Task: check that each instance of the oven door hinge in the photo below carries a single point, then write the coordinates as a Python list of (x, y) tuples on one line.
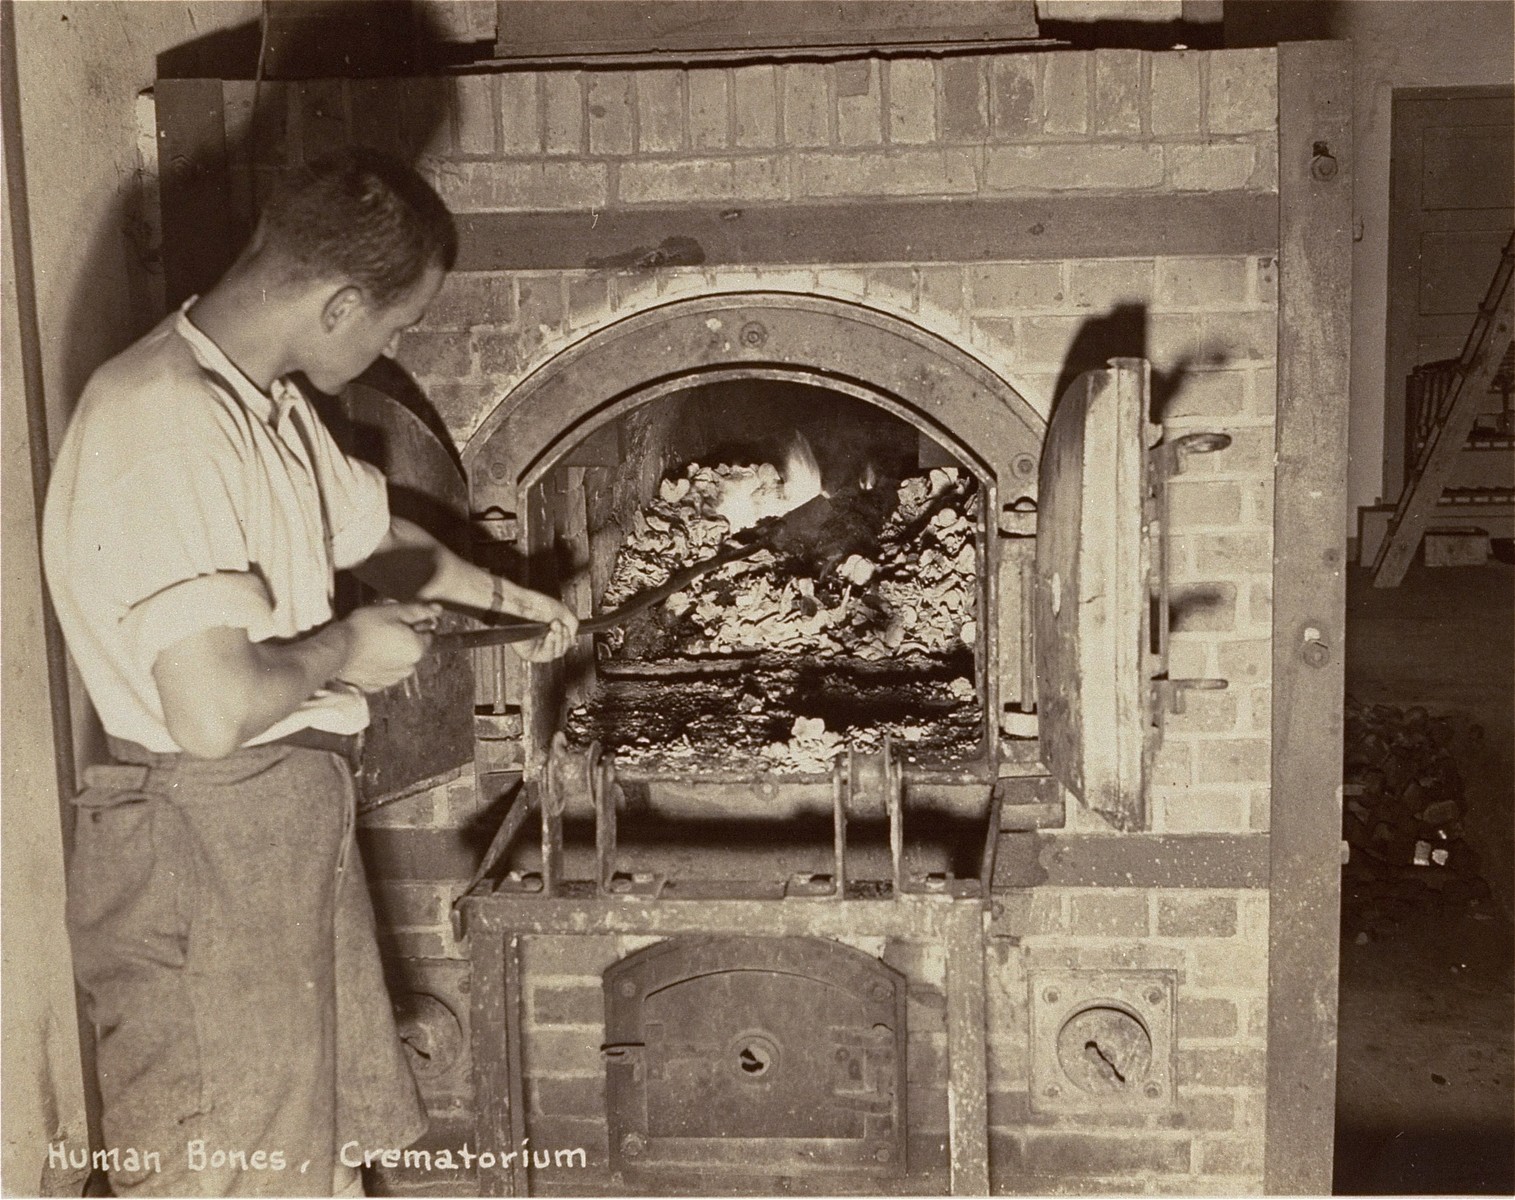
[(493, 526), (1165, 460), (864, 1069)]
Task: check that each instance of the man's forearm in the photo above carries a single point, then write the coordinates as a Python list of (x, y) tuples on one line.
[(219, 689), (291, 672), (453, 580)]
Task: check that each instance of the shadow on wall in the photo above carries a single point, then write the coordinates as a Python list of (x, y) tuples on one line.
[(310, 40), (1122, 333), (315, 39), (1134, 35), (343, 38), (1268, 22), (346, 38)]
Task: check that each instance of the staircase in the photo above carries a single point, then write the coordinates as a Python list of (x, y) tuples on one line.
[(1452, 399)]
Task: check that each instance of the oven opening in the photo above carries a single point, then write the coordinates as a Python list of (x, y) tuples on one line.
[(856, 623)]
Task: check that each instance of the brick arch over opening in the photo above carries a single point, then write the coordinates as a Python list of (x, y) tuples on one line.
[(916, 374)]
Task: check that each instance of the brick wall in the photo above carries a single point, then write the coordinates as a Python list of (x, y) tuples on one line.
[(1210, 330), (563, 1028), (1210, 1142), (1105, 120), (1013, 124), (1053, 124)]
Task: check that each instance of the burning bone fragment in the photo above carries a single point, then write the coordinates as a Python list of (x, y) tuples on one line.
[(899, 577), (857, 570), (746, 495)]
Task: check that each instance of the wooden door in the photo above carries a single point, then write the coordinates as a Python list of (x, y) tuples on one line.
[(1094, 652), (1452, 199)]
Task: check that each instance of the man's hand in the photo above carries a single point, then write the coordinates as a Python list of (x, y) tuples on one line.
[(457, 582), (387, 642), (564, 625)]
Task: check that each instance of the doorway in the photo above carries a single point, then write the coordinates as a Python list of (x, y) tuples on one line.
[(1451, 186)]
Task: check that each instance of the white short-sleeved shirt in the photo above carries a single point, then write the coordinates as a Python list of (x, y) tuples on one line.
[(184, 499)]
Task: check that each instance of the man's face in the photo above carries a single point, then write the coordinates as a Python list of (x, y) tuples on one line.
[(355, 334)]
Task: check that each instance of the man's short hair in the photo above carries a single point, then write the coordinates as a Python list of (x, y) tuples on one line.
[(361, 217)]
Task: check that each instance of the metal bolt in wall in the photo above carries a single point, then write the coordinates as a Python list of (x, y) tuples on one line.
[(1323, 164), (1314, 649)]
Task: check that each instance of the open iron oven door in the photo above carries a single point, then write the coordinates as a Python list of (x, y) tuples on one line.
[(1094, 588), (421, 731)]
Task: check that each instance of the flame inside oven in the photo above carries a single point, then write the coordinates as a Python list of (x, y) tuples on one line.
[(746, 495)]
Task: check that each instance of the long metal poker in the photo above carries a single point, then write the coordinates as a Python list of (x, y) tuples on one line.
[(796, 525)]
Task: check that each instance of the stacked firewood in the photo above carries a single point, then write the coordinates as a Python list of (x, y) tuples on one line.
[(1403, 818), (914, 593)]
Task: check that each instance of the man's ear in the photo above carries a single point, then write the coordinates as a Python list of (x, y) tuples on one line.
[(339, 306)]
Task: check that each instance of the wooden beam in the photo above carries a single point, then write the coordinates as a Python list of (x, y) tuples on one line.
[(874, 231), (748, 28), (967, 1052), (515, 1063), (198, 239), (494, 1125), (71, 1098), (1309, 600)]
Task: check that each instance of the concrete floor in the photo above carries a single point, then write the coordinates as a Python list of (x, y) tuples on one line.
[(1425, 1099)]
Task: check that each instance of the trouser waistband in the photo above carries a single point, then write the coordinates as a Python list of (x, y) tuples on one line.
[(347, 746)]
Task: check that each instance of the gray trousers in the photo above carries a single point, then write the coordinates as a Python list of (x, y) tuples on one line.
[(223, 936)]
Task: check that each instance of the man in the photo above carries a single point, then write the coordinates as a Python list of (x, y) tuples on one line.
[(218, 912)]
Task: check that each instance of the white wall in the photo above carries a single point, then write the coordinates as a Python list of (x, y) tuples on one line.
[(1399, 45), (39, 1062), (81, 66)]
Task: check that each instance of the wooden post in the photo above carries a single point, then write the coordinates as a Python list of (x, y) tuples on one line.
[(194, 177), (967, 1051), (516, 1083), (1309, 600), (493, 1112)]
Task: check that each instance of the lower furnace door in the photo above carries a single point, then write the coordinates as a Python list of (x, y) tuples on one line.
[(765, 1056)]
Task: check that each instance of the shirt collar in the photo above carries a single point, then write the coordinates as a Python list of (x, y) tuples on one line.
[(269, 406)]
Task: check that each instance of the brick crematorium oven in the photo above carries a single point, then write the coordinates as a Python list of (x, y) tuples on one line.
[(972, 825)]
